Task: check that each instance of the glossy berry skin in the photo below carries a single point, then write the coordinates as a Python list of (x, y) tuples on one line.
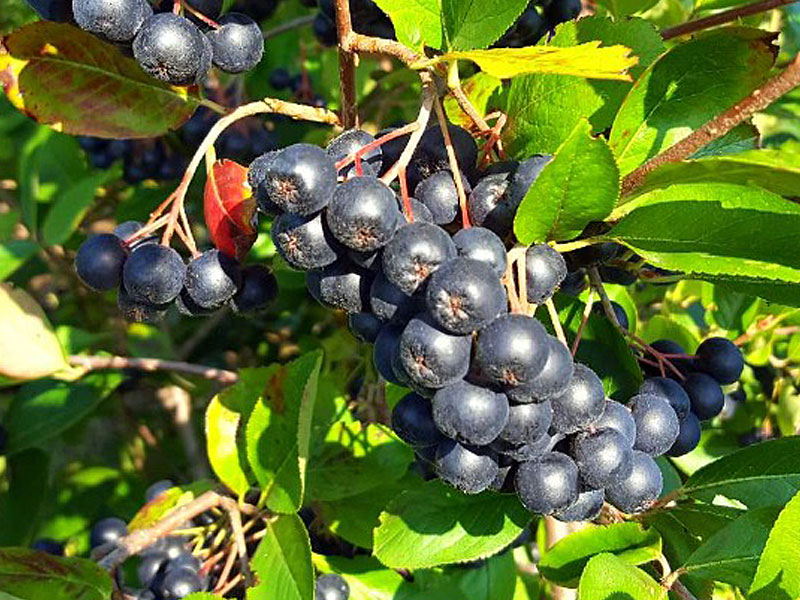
[(488, 206), (389, 303), (171, 48), (438, 193), (720, 358), (385, 349), (300, 179), (331, 587), (363, 214), (548, 483), (616, 416), (525, 174), (107, 530), (151, 567), (552, 380), (525, 452), (158, 488), (656, 423), (138, 311), (479, 243), (419, 212), (432, 357), (512, 350), (341, 285), (115, 20), (469, 414), (581, 403), (257, 290), (640, 489), (212, 278), (465, 295), (467, 468), (527, 423), (705, 395), (586, 508), (545, 269), (603, 457), (365, 326), (670, 347), (238, 44), (154, 274), (669, 389), (349, 142), (415, 252), (179, 583), (256, 178), (304, 242), (100, 260), (688, 436)]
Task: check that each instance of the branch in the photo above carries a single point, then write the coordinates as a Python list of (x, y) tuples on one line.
[(726, 16), (718, 126), (94, 363), (347, 65), (356, 42)]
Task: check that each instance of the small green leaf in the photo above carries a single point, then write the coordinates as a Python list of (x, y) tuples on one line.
[(282, 562), (607, 577), (14, 254), (31, 575), (579, 185), (467, 24), (436, 525), (222, 431), (778, 576), (563, 563), (417, 23)]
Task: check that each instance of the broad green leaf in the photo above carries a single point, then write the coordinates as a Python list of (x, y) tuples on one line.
[(731, 555), (579, 185), (780, 292), (417, 23), (222, 447), (278, 432), (710, 232), (607, 577), (14, 254), (467, 24), (674, 96), (356, 458), (28, 480), (563, 563), (282, 562), (158, 508), (602, 348), (589, 60), (765, 474), (778, 574), (479, 89), (436, 525), (31, 575), (543, 109), (76, 83), (44, 408), (729, 309), (29, 347)]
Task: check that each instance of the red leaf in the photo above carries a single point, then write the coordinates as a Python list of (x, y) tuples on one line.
[(229, 208)]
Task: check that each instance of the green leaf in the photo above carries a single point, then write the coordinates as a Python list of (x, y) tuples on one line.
[(73, 81), (778, 576), (624, 8), (731, 555), (356, 458), (29, 347), (223, 417), (607, 577), (660, 327), (710, 233), (164, 503), (201, 596), (44, 408), (282, 562), (14, 254), (417, 23), (278, 432), (436, 525), (579, 185), (479, 89), (602, 348), (468, 25), (31, 575), (544, 109), (673, 97), (28, 480), (563, 563), (367, 578), (729, 309), (765, 474)]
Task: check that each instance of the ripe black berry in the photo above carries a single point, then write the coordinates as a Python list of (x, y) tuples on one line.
[(603, 457), (169, 47), (527, 423), (525, 174), (304, 242), (469, 414), (415, 252), (349, 142), (479, 243), (586, 508), (363, 214), (257, 290), (640, 489), (467, 468), (107, 530), (488, 206), (238, 44), (688, 436), (384, 350), (705, 395), (154, 273), (669, 389), (116, 20), (512, 350), (331, 587), (656, 423), (300, 179), (552, 380), (548, 483), (581, 403), (212, 278), (545, 269), (179, 583), (388, 302), (341, 285), (561, 11), (99, 261), (616, 416), (720, 358), (431, 357), (138, 311), (438, 193)]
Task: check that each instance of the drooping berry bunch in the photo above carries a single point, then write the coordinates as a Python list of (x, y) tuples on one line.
[(365, 15), (151, 277)]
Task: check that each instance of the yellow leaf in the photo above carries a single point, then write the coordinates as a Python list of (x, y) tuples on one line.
[(590, 60), (29, 347)]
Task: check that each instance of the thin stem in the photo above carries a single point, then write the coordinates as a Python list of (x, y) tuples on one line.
[(94, 363), (726, 16), (210, 22), (453, 161), (757, 101), (238, 535), (347, 65), (356, 42), (289, 26), (587, 311), (407, 208), (559, 330), (358, 155)]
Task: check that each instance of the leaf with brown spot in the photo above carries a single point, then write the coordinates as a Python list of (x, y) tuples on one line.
[(71, 80), (229, 208)]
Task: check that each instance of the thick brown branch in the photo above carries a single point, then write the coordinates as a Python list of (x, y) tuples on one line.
[(94, 363), (720, 18), (347, 65), (356, 42), (720, 125)]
